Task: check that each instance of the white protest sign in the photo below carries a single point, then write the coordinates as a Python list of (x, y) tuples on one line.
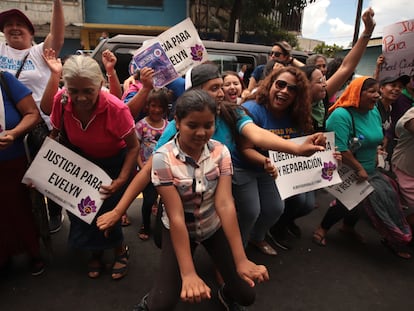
[(153, 56), (297, 174), (398, 49), (182, 45), (68, 179), (349, 192)]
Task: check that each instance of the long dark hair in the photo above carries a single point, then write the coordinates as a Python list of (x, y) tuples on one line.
[(300, 111)]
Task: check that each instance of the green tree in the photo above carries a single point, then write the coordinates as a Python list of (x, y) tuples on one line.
[(255, 18), (327, 50)]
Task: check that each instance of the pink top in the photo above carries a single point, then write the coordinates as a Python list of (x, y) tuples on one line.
[(104, 134)]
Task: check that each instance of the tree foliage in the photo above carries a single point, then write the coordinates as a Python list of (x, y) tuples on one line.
[(254, 18), (327, 50)]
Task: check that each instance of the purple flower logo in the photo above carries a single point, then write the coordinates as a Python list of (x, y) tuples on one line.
[(328, 170), (197, 52), (86, 206)]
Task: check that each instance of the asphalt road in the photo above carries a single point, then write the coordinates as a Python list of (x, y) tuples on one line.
[(341, 276)]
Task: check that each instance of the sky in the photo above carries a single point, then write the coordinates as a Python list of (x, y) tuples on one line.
[(333, 21)]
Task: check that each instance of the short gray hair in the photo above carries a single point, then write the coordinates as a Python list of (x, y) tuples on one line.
[(313, 58), (81, 66)]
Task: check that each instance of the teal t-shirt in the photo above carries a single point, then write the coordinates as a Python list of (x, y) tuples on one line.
[(366, 124), (221, 134)]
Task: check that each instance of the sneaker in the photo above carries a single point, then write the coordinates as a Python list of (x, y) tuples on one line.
[(55, 223), (142, 305), (37, 267), (229, 304), (294, 230), (280, 237)]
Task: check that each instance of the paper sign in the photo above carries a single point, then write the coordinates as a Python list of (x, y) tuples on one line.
[(182, 45), (397, 48), (297, 174), (154, 57), (68, 179), (349, 192)]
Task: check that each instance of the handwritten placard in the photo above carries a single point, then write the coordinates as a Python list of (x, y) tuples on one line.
[(68, 179), (397, 48), (297, 174)]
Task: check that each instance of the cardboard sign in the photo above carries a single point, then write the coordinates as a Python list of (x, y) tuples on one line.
[(68, 179), (349, 192), (154, 57), (297, 174), (182, 45), (397, 48)]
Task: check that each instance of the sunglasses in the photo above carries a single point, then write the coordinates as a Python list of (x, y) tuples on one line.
[(275, 53), (280, 84)]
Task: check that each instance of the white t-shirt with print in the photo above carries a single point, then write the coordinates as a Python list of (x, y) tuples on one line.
[(35, 73)]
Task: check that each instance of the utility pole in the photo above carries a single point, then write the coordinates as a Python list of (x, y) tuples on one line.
[(357, 22)]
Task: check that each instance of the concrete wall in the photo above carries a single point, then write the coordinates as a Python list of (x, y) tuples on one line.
[(98, 11)]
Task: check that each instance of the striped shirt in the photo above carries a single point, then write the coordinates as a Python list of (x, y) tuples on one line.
[(196, 183)]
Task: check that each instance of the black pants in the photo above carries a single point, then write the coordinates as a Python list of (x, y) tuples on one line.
[(166, 291), (337, 212)]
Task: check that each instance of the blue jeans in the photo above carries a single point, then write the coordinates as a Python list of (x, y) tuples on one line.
[(257, 201)]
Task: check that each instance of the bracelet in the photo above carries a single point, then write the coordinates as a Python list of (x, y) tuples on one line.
[(108, 75), (367, 36)]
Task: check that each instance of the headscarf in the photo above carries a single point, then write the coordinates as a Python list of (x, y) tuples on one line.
[(351, 96)]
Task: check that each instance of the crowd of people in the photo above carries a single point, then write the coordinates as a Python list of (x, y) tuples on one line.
[(199, 146)]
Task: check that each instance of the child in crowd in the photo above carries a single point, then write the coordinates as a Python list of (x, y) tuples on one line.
[(192, 174), (149, 129)]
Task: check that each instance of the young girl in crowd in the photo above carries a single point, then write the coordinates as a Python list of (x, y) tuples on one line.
[(149, 130), (192, 174), (232, 87)]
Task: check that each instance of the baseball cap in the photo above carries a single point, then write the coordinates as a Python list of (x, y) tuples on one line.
[(5, 15), (286, 48), (403, 78), (200, 74)]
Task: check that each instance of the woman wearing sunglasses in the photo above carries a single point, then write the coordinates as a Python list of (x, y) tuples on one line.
[(281, 105)]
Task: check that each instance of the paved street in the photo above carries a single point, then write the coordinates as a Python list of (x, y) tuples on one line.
[(341, 276)]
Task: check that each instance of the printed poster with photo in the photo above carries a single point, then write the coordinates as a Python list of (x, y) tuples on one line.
[(298, 174), (397, 48), (182, 45), (153, 56), (349, 191), (68, 179)]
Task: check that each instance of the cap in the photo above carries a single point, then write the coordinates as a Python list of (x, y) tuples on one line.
[(284, 46), (403, 78), (5, 15), (200, 74)]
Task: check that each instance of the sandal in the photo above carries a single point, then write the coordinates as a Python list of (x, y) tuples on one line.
[(125, 221), (264, 247), (398, 250), (319, 239), (95, 266), (122, 260), (143, 233)]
